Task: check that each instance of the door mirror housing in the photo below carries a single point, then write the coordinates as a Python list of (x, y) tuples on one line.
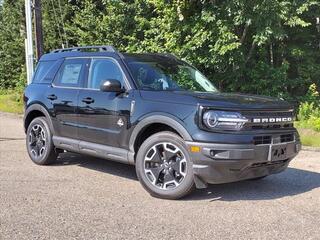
[(111, 85)]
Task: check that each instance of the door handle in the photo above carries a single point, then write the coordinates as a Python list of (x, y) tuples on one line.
[(88, 100), (52, 97)]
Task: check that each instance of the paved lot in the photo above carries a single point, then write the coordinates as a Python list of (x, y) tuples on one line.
[(87, 198)]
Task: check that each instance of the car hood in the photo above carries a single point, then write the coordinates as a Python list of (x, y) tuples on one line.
[(218, 100)]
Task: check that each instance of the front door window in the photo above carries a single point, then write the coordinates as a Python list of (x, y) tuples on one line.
[(102, 70)]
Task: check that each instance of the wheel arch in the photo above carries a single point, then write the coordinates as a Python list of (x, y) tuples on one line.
[(175, 124), (34, 111)]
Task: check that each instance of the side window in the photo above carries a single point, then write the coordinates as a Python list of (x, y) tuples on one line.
[(71, 73), (42, 70), (104, 69)]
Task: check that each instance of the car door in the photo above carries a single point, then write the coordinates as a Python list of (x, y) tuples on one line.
[(104, 116), (63, 95)]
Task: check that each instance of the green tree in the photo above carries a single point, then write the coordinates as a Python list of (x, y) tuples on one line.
[(11, 43), (266, 47)]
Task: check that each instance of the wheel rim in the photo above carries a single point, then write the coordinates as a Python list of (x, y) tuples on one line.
[(37, 141), (165, 166)]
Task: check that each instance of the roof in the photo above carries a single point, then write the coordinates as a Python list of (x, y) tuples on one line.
[(55, 56), (100, 51), (84, 51)]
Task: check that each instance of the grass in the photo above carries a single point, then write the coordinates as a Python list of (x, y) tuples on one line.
[(11, 102), (309, 137), (311, 123)]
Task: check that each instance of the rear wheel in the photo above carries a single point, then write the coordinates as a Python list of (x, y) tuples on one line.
[(164, 167), (39, 142)]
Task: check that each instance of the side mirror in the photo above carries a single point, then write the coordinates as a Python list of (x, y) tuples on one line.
[(111, 85)]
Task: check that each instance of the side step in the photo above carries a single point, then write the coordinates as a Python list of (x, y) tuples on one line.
[(93, 149)]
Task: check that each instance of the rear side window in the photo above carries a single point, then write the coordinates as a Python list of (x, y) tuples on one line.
[(41, 72), (71, 73)]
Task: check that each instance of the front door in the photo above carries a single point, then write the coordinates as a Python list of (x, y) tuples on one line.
[(103, 117)]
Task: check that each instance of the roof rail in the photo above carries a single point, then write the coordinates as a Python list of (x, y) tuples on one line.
[(169, 55), (78, 49)]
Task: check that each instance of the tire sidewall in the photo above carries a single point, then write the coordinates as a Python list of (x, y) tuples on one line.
[(48, 146), (188, 182)]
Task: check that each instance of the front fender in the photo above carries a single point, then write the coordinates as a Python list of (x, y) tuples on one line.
[(163, 118)]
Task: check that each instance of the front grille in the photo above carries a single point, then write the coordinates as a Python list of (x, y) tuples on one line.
[(286, 138), (269, 120), (262, 140), (267, 139), (270, 126)]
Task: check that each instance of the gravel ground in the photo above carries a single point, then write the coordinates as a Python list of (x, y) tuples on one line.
[(87, 198)]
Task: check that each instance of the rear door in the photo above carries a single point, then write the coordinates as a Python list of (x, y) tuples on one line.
[(104, 116), (64, 95)]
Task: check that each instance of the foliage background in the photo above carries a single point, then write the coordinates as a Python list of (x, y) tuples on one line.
[(268, 47)]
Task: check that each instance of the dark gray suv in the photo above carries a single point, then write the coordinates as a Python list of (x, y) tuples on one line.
[(158, 113)]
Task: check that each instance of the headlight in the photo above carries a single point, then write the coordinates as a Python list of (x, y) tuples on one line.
[(223, 120)]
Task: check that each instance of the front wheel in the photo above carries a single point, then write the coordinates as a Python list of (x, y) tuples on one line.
[(164, 167)]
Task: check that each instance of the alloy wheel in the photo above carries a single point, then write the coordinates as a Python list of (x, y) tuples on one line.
[(165, 165), (37, 141)]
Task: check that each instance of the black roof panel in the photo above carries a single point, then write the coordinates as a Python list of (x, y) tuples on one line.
[(55, 56), (102, 51)]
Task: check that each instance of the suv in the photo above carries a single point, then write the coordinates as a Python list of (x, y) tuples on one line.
[(158, 113)]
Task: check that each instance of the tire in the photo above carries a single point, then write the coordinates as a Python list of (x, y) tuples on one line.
[(39, 142), (258, 178), (164, 167)]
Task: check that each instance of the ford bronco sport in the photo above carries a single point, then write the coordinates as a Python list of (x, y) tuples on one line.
[(158, 113)]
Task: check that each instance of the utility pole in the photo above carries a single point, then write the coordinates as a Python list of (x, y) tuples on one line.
[(318, 27), (38, 28), (28, 41)]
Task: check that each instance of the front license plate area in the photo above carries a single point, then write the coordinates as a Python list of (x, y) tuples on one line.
[(279, 153)]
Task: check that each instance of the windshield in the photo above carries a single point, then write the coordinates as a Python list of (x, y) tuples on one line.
[(161, 73)]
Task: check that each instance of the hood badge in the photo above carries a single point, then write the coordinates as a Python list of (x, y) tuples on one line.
[(272, 120), (120, 122)]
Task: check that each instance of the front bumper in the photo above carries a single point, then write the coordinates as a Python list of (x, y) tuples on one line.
[(222, 163)]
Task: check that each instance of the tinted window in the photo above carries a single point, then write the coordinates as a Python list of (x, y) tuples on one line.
[(71, 73), (102, 70), (162, 73), (41, 72)]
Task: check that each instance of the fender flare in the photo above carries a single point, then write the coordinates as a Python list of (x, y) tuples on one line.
[(167, 119), (42, 109)]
